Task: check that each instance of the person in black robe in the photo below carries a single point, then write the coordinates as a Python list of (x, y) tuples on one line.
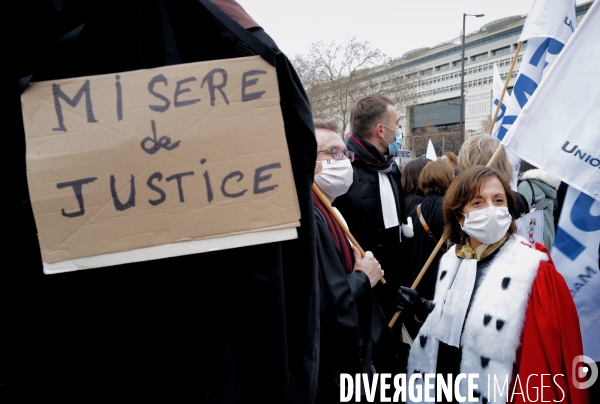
[(234, 326), (354, 335)]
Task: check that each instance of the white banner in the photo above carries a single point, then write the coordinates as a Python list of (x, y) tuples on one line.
[(497, 88), (550, 18), (547, 28), (559, 129), (575, 254)]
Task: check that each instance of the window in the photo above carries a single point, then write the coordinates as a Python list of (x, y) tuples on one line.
[(479, 57), (427, 71), (457, 62), (501, 51), (442, 67), (411, 76), (519, 59)]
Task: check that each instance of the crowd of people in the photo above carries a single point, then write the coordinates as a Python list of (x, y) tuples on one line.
[(490, 302)]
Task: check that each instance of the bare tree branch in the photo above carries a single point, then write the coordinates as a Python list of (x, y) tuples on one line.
[(335, 77)]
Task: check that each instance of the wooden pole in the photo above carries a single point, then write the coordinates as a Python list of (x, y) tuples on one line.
[(329, 208), (512, 65)]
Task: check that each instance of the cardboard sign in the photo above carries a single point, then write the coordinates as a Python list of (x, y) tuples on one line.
[(531, 226), (154, 163)]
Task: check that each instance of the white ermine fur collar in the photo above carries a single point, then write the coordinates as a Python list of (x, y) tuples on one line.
[(492, 330), (541, 175)]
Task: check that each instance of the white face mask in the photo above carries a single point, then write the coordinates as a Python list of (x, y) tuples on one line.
[(487, 225), (335, 178)]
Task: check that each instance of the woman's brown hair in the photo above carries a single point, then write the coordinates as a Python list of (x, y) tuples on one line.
[(451, 158), (410, 176), (463, 189), (436, 177)]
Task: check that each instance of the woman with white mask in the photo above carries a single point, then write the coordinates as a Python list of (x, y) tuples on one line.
[(500, 310)]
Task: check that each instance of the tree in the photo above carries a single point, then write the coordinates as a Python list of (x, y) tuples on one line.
[(335, 76), (486, 123)]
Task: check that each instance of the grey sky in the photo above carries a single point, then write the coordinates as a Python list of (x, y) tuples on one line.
[(393, 26)]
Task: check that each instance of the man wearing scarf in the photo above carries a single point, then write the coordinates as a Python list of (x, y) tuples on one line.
[(374, 205), (353, 328)]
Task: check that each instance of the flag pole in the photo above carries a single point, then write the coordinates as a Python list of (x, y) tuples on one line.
[(420, 276), (329, 208), (443, 238), (512, 65)]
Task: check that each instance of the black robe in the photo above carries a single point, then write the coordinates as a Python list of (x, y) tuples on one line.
[(345, 317), (361, 207), (234, 326), (432, 210), (355, 337)]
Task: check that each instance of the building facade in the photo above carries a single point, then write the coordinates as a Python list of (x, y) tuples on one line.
[(435, 73)]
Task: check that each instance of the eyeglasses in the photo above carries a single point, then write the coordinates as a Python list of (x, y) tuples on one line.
[(338, 154), (391, 128)]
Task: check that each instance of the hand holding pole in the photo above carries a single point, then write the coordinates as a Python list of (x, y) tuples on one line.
[(329, 208)]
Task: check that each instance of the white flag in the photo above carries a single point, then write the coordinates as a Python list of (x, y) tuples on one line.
[(559, 129), (497, 88), (575, 254), (550, 19), (430, 152), (547, 28)]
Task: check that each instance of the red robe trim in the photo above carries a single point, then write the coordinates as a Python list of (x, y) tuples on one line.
[(551, 339)]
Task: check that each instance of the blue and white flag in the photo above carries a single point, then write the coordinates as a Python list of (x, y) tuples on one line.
[(497, 88), (559, 128), (547, 28), (575, 254)]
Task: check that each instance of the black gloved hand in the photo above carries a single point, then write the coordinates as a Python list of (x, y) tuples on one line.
[(406, 298)]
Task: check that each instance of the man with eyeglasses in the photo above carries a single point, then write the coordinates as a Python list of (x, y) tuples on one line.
[(352, 322), (374, 205)]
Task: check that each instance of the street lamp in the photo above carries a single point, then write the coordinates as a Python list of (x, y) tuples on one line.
[(462, 80)]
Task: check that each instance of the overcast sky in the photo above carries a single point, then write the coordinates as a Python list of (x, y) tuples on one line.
[(393, 26)]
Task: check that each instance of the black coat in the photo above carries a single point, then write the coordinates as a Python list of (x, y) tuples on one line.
[(432, 211), (354, 333), (345, 317), (412, 201), (361, 207), (234, 326)]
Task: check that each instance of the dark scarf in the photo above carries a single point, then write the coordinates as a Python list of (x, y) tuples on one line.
[(337, 233), (369, 154), (374, 160)]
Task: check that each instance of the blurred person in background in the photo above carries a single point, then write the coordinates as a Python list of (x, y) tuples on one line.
[(540, 190), (413, 194), (434, 180), (453, 160)]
